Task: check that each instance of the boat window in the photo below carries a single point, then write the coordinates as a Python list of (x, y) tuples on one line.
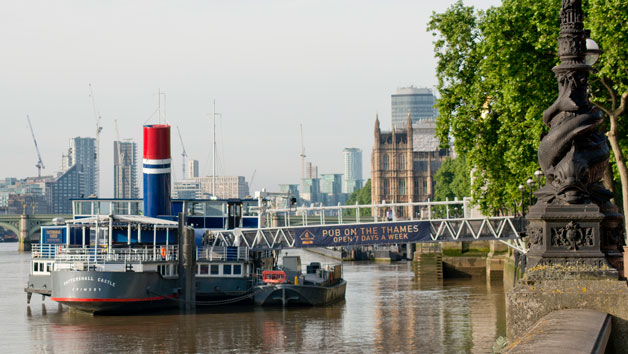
[(204, 269), (247, 209), (48, 267), (214, 269), (237, 269), (226, 269), (35, 266), (41, 266), (214, 208)]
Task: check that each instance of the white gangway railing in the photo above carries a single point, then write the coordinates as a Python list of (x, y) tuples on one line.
[(449, 221)]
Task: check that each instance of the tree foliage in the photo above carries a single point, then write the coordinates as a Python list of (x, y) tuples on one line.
[(452, 180), (363, 197), (495, 80)]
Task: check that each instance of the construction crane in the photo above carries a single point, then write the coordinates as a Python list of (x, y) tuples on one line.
[(98, 131), (121, 157), (184, 155), (251, 180), (302, 155), (40, 163), (118, 149)]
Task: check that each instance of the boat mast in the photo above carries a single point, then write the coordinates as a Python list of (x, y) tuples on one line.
[(214, 154), (159, 105)]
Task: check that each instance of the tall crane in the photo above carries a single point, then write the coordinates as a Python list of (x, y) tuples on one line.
[(302, 155), (251, 180), (118, 150), (120, 172), (98, 131), (184, 155), (40, 163)]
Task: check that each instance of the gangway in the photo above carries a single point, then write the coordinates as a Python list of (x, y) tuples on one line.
[(361, 225)]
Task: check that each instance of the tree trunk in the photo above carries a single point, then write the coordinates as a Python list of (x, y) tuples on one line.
[(621, 167), (613, 116), (608, 181)]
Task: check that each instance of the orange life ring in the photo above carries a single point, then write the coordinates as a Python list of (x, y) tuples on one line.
[(59, 250), (164, 252)]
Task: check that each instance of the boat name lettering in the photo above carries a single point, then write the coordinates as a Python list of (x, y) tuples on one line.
[(90, 278), (86, 289), (107, 281), (72, 280)]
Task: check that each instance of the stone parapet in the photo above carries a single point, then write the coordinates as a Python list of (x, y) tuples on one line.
[(530, 301)]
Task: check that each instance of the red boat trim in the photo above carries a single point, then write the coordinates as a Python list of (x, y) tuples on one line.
[(72, 299)]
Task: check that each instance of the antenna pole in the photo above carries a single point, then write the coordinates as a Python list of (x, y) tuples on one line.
[(214, 154)]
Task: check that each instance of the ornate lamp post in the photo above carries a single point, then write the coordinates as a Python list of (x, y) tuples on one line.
[(531, 184), (522, 189), (573, 226), (538, 174)]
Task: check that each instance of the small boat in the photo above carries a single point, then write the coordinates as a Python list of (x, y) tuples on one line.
[(290, 287)]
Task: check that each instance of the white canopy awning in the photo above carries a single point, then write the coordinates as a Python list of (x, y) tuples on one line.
[(131, 219)]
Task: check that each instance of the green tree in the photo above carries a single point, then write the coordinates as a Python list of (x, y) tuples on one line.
[(363, 197), (609, 83), (495, 81), (452, 180)]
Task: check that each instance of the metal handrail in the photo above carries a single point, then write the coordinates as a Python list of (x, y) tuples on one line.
[(221, 253), (63, 253)]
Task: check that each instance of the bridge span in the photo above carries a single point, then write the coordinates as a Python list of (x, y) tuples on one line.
[(373, 224), (27, 226)]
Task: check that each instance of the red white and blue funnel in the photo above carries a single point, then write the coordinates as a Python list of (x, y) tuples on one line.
[(156, 166)]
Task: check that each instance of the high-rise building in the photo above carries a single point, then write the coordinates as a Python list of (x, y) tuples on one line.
[(82, 152), (331, 189), (419, 102), (226, 186), (125, 170), (62, 189), (331, 183), (311, 190), (191, 170), (403, 164), (311, 170), (352, 179)]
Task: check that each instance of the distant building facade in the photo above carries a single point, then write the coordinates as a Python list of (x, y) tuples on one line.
[(226, 186), (311, 170), (191, 170), (331, 189), (24, 195), (83, 152), (290, 189), (27, 204), (419, 102), (331, 183), (352, 180), (403, 164), (62, 189), (311, 190), (188, 189), (125, 184)]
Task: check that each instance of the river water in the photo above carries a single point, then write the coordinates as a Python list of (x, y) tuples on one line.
[(387, 310)]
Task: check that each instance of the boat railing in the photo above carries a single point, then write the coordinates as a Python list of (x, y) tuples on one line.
[(222, 253), (147, 253)]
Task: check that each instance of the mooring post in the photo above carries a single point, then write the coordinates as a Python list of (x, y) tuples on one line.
[(189, 266)]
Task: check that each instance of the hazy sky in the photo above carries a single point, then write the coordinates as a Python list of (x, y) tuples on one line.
[(270, 66)]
